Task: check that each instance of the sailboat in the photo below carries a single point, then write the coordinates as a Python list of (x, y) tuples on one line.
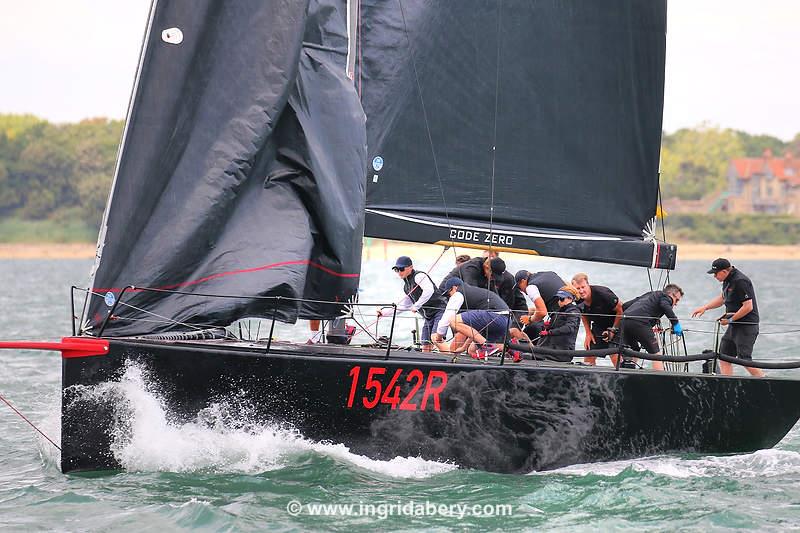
[(251, 166)]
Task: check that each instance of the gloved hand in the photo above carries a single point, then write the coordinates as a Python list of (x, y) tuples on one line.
[(677, 329), (544, 333)]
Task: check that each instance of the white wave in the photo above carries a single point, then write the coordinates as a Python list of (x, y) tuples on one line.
[(219, 440), (762, 463), (191, 502)]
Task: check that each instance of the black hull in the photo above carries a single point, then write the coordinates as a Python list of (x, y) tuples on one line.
[(511, 418)]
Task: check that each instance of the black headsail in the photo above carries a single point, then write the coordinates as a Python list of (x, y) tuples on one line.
[(241, 170), (548, 110)]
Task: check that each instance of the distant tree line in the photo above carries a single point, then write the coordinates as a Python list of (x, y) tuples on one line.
[(60, 174)]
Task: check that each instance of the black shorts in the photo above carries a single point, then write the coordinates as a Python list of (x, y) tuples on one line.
[(638, 335), (738, 341)]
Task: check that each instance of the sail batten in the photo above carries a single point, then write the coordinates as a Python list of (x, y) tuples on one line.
[(516, 117)]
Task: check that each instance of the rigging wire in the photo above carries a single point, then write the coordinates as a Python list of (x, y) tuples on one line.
[(494, 133), (31, 424)]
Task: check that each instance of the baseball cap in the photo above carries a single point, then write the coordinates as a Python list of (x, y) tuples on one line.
[(402, 262), (497, 265), (450, 283), (719, 264), (565, 294), (520, 275)]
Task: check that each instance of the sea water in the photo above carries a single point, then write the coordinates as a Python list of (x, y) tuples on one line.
[(220, 473)]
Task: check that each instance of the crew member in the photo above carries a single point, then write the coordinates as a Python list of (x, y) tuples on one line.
[(479, 326), (420, 297), (562, 331), (529, 305), (601, 313), (644, 312), (477, 272), (741, 314), (547, 283)]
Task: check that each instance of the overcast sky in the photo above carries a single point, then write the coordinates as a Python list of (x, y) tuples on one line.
[(731, 63)]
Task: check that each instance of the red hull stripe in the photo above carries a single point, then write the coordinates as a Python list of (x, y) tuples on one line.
[(69, 346), (243, 271)]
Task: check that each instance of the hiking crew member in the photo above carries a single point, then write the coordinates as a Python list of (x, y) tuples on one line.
[(420, 297), (562, 331), (741, 314), (477, 272), (529, 305), (601, 313), (547, 283), (476, 327), (644, 312)]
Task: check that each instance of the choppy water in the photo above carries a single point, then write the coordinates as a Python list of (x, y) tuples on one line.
[(217, 476)]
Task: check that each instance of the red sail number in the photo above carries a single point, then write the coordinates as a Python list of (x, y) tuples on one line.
[(373, 391)]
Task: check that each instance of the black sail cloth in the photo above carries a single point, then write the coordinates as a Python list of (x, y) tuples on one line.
[(241, 169), (574, 92)]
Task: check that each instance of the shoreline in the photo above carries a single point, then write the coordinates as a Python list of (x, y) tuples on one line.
[(380, 249)]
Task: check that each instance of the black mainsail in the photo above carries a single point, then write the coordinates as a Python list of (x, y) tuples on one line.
[(548, 111), (241, 170)]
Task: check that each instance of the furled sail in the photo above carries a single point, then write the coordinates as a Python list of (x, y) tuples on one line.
[(528, 125), (241, 170)]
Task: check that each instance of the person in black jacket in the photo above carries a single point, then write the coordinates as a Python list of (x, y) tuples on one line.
[(563, 328), (644, 312)]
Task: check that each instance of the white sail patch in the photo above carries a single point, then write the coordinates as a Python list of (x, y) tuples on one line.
[(172, 36)]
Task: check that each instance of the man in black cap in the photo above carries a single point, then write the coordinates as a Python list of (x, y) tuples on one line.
[(483, 323), (530, 300), (547, 284), (741, 314), (420, 297)]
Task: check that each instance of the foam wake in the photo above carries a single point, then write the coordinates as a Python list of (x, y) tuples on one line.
[(220, 439), (762, 463)]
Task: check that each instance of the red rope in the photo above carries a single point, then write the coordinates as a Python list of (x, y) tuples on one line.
[(29, 422)]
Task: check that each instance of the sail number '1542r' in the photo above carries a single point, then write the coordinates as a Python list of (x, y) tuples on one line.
[(379, 388)]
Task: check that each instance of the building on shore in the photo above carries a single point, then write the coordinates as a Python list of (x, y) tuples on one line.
[(767, 184)]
